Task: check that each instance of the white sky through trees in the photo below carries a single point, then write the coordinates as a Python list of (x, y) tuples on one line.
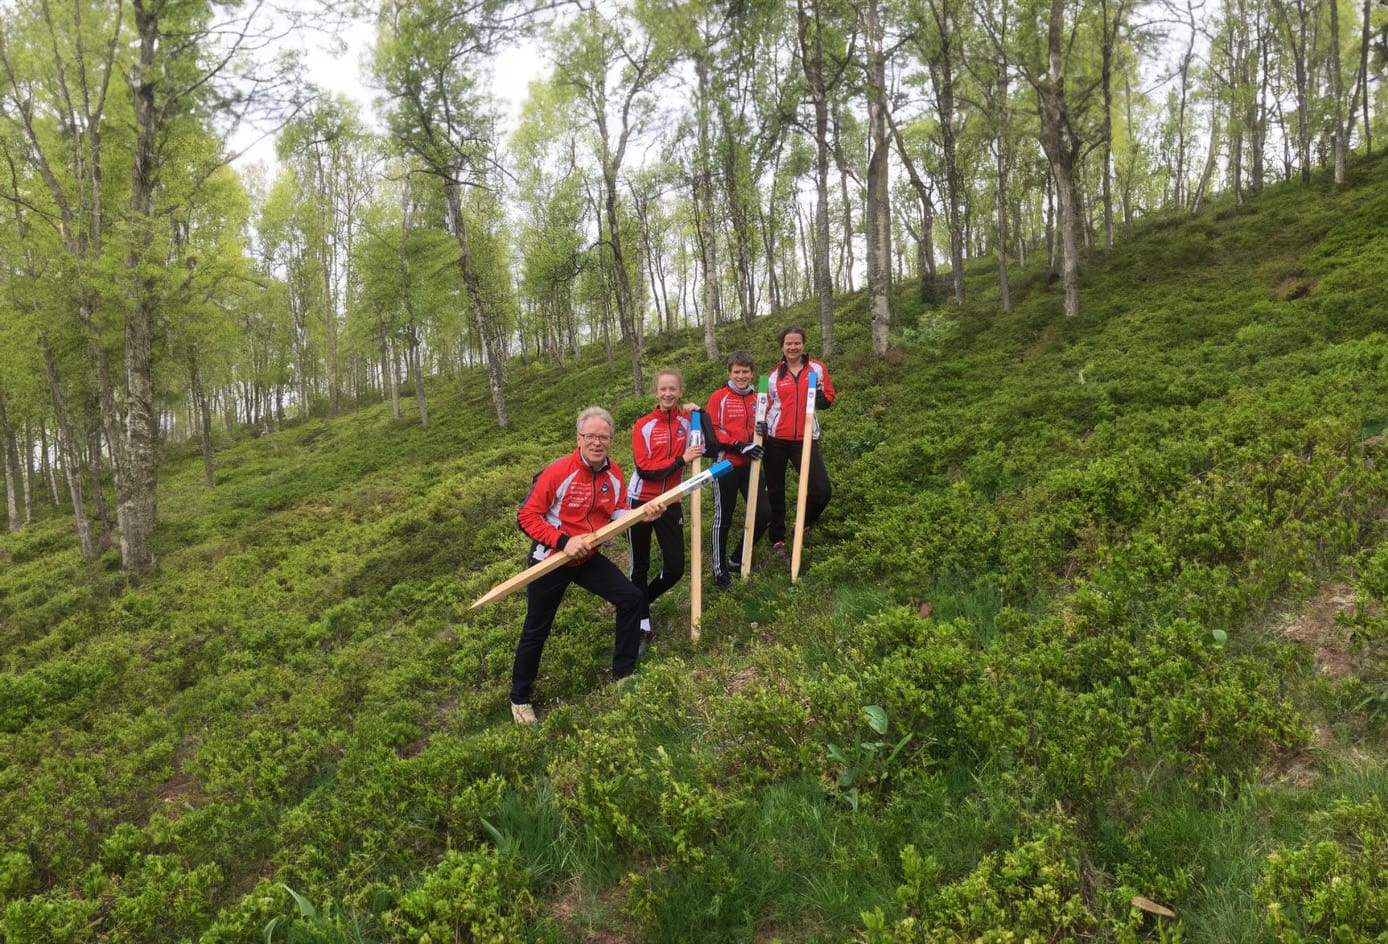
[(339, 63)]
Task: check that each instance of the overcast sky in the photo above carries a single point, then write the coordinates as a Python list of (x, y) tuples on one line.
[(345, 73)]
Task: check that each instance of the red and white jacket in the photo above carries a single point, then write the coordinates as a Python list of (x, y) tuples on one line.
[(733, 413), (658, 442), (569, 498), (787, 392)]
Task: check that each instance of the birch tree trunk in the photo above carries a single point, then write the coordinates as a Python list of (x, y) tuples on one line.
[(703, 199), (1337, 93), (1062, 149), (812, 61), (67, 455), (136, 499), (879, 210), (12, 484), (411, 325), (925, 255), (487, 332)]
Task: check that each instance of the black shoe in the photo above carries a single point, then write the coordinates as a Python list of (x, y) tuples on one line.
[(722, 581), (644, 645)]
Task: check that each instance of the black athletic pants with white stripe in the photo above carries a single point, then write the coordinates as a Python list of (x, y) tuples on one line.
[(725, 519)]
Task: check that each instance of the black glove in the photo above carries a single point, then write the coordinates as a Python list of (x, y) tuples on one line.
[(761, 427), (751, 451), (821, 400)]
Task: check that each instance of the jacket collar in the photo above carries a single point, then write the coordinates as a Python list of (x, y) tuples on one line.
[(606, 463)]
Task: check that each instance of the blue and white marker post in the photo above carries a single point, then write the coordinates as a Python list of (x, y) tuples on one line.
[(803, 488), (749, 531), (696, 534), (617, 526)]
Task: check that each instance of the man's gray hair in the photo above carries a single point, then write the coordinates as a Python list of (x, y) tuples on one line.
[(601, 414)]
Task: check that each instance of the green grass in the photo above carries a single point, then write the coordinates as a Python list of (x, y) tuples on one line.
[(1106, 518)]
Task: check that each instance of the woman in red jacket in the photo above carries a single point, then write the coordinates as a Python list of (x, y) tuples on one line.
[(661, 446), (788, 388)]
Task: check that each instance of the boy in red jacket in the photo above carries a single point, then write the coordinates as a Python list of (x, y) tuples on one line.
[(732, 409)]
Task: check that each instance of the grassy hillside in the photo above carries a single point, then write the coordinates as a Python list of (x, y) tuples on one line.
[(1096, 613)]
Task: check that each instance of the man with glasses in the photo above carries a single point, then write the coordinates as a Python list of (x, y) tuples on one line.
[(572, 498)]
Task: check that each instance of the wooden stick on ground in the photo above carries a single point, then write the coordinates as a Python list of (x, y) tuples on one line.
[(753, 485), (610, 530), (803, 487)]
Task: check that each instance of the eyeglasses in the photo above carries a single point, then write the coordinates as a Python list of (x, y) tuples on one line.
[(596, 437)]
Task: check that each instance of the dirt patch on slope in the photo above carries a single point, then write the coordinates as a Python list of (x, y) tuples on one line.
[(1318, 628), (595, 921)]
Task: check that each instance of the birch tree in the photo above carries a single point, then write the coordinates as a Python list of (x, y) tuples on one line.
[(608, 66), (429, 58)]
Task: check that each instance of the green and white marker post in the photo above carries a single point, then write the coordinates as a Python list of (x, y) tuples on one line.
[(753, 484)]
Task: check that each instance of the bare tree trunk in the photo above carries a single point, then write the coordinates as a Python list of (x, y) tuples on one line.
[(1258, 108), (846, 244), (925, 256), (390, 384), (407, 293), (93, 465), (1062, 148), (1299, 43), (7, 446), (942, 65), (325, 263), (743, 241), (1178, 174), (68, 455), (203, 407), (769, 247), (626, 305), (1211, 161), (487, 332), (414, 356), (46, 463), (704, 215), (1110, 41), (812, 61), (1337, 92), (1364, 73), (1001, 152), (136, 498), (26, 473), (879, 209)]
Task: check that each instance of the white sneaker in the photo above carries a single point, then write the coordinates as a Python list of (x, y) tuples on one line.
[(523, 714)]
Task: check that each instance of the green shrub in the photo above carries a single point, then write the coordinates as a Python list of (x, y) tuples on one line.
[(470, 897), (1334, 888), (1032, 891)]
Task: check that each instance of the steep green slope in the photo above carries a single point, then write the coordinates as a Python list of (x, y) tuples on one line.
[(1042, 661)]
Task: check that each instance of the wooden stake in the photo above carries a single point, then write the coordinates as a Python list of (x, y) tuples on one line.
[(610, 530), (753, 485), (696, 536), (803, 489)]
